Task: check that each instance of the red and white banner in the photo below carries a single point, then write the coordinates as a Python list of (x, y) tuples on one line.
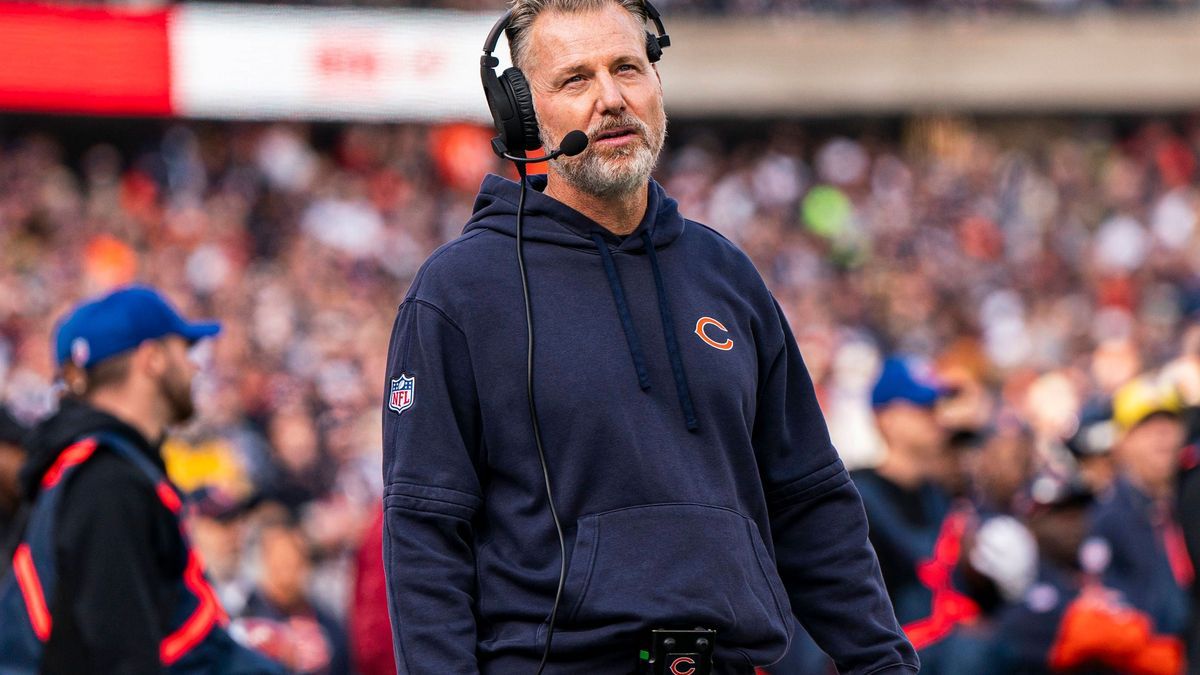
[(326, 63), (223, 61), (82, 60)]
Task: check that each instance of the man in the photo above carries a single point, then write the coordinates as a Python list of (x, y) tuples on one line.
[(690, 464), (107, 581), (1067, 622), (279, 617), (1000, 555), (904, 503), (1138, 521), (918, 535)]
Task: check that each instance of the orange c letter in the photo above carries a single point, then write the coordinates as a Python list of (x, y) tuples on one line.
[(706, 321)]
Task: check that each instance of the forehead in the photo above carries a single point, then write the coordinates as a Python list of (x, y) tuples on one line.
[(566, 39)]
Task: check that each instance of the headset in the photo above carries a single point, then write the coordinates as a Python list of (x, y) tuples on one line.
[(511, 104)]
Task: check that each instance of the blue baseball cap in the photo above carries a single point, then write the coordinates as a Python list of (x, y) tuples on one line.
[(904, 380), (120, 321)]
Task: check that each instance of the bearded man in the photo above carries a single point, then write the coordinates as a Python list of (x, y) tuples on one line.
[(104, 579), (690, 465)]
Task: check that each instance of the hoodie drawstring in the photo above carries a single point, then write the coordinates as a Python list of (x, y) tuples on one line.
[(618, 293), (631, 337), (664, 309)]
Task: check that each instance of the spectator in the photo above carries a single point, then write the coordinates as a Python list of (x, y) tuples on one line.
[(370, 628), (952, 238), (279, 618), (909, 513), (1138, 522), (1066, 622)]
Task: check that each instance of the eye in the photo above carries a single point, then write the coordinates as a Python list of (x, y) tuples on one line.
[(574, 79), (627, 68)]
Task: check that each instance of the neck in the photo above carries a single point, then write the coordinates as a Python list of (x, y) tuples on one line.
[(1158, 491), (124, 407), (281, 598), (899, 469), (619, 214)]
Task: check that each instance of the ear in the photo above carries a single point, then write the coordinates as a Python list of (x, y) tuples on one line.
[(150, 357)]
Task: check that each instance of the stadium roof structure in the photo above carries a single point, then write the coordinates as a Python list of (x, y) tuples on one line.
[(272, 62)]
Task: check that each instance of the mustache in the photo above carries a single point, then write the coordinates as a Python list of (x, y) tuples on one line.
[(626, 120)]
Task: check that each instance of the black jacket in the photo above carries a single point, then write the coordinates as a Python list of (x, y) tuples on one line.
[(120, 552)]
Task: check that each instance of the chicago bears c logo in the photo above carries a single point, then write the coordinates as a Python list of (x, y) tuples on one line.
[(684, 665), (705, 322)]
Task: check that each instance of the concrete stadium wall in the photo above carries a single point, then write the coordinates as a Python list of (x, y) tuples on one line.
[(825, 66)]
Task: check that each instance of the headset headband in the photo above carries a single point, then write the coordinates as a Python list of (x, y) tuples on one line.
[(493, 36)]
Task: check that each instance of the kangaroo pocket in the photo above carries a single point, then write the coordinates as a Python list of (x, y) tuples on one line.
[(674, 566)]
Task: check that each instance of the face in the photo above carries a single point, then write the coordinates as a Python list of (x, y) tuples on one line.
[(1149, 453), (914, 431), (1060, 532), (1003, 466), (285, 566), (295, 441), (175, 379), (589, 71)]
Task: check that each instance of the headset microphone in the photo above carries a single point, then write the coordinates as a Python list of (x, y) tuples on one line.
[(572, 144)]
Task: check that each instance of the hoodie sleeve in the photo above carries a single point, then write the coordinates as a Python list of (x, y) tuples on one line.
[(819, 526), (432, 493)]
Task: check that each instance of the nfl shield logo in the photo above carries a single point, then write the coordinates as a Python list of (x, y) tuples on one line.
[(401, 398)]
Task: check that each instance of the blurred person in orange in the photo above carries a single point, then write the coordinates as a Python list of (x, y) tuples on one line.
[(1068, 621)]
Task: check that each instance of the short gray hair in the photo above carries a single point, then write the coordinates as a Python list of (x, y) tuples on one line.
[(525, 11)]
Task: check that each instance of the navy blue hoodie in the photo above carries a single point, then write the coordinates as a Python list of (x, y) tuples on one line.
[(691, 466)]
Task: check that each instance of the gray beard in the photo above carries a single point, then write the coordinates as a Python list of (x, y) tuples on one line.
[(619, 172), (608, 176)]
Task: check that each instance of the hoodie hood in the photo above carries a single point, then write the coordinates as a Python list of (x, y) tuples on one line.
[(74, 420), (550, 221)]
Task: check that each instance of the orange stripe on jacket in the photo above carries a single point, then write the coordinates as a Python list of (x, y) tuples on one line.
[(200, 623), (31, 589), (73, 455)]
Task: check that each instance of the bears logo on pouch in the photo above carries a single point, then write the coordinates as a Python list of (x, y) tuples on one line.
[(402, 392), (684, 665)]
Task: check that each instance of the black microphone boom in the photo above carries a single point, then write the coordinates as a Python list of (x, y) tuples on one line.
[(572, 144)]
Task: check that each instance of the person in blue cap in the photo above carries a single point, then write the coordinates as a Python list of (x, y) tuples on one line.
[(914, 530), (104, 579)]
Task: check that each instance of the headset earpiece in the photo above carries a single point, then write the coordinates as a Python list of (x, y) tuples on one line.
[(653, 50), (525, 126)]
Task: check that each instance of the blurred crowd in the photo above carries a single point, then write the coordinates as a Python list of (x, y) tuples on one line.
[(1045, 274)]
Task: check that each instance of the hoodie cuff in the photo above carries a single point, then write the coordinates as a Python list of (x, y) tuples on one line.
[(902, 669)]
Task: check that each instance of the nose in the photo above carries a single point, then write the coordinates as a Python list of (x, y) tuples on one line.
[(610, 99)]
